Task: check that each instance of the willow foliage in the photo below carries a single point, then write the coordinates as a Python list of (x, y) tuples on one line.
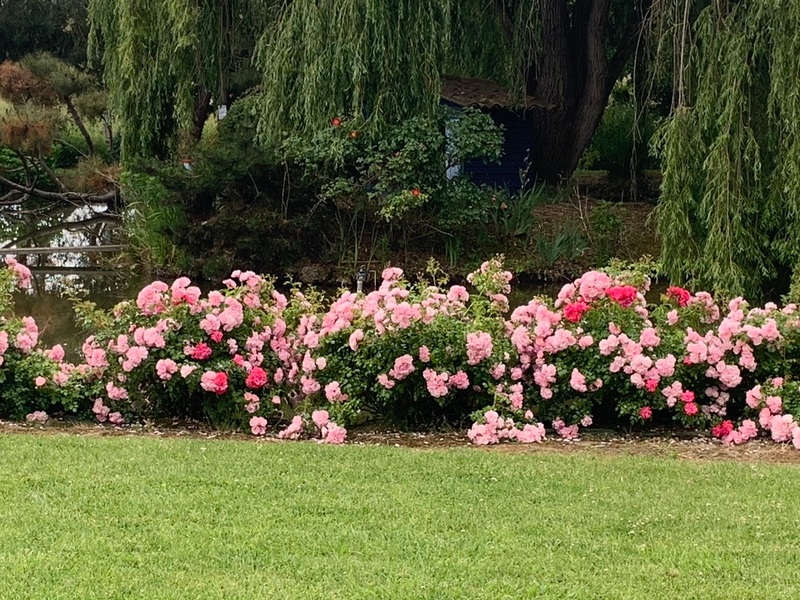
[(383, 59), (157, 54), (729, 215)]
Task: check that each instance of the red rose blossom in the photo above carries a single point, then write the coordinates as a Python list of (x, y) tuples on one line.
[(202, 351), (624, 295), (574, 312), (257, 378), (680, 295), (723, 429), (221, 381)]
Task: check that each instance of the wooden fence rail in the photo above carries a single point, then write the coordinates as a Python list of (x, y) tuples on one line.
[(61, 250)]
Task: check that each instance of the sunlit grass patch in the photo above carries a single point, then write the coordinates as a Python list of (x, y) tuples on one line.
[(116, 517)]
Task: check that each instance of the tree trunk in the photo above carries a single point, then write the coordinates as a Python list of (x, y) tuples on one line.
[(574, 73), (73, 112), (200, 113), (108, 131)]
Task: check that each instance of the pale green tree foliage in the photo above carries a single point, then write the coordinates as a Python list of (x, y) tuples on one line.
[(729, 216), (167, 61), (380, 60)]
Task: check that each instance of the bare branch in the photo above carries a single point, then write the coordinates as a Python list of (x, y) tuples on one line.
[(68, 226), (67, 196)]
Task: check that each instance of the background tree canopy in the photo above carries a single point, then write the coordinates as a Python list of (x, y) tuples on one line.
[(730, 150), (58, 27), (164, 61), (377, 59), (730, 203)]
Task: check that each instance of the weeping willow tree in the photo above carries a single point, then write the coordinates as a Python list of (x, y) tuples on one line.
[(164, 60), (729, 216), (384, 59), (167, 62)]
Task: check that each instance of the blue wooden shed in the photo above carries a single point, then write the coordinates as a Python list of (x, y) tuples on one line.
[(515, 117)]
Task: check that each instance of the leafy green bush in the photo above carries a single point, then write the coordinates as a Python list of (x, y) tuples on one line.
[(619, 138), (32, 379)]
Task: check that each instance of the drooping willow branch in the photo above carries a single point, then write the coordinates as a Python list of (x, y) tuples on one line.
[(729, 215)]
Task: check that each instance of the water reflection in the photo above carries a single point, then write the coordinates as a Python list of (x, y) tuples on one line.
[(77, 270)]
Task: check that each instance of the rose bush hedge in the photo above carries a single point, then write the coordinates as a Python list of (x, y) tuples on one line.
[(419, 355)]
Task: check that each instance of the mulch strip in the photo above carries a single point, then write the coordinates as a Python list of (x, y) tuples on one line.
[(667, 445)]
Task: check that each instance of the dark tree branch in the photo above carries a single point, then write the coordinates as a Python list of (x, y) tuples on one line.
[(504, 14), (200, 113), (11, 198), (631, 37), (69, 226), (71, 197), (73, 112), (42, 164), (24, 160)]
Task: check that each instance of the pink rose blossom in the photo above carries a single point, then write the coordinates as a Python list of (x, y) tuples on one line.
[(577, 381), (385, 381), (258, 425), (213, 381), (774, 404), (334, 393), (781, 427), (355, 338), (293, 431), (531, 434), (309, 385), (166, 368), (38, 416), (334, 434), (116, 393), (403, 367), (459, 380), (479, 347), (320, 418), (187, 370), (100, 411)]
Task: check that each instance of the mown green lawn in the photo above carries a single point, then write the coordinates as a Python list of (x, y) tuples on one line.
[(140, 517)]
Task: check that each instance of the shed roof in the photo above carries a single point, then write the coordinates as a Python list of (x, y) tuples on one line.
[(484, 93)]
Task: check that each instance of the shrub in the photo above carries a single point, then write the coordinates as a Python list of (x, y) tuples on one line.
[(416, 355), (31, 378), (248, 356)]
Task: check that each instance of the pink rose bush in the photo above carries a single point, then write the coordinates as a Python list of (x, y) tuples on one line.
[(34, 381), (237, 356), (415, 354), (294, 366)]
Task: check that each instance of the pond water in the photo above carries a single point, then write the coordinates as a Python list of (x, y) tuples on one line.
[(93, 276), (64, 272)]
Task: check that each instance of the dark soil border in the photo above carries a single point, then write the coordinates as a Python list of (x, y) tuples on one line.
[(679, 446)]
